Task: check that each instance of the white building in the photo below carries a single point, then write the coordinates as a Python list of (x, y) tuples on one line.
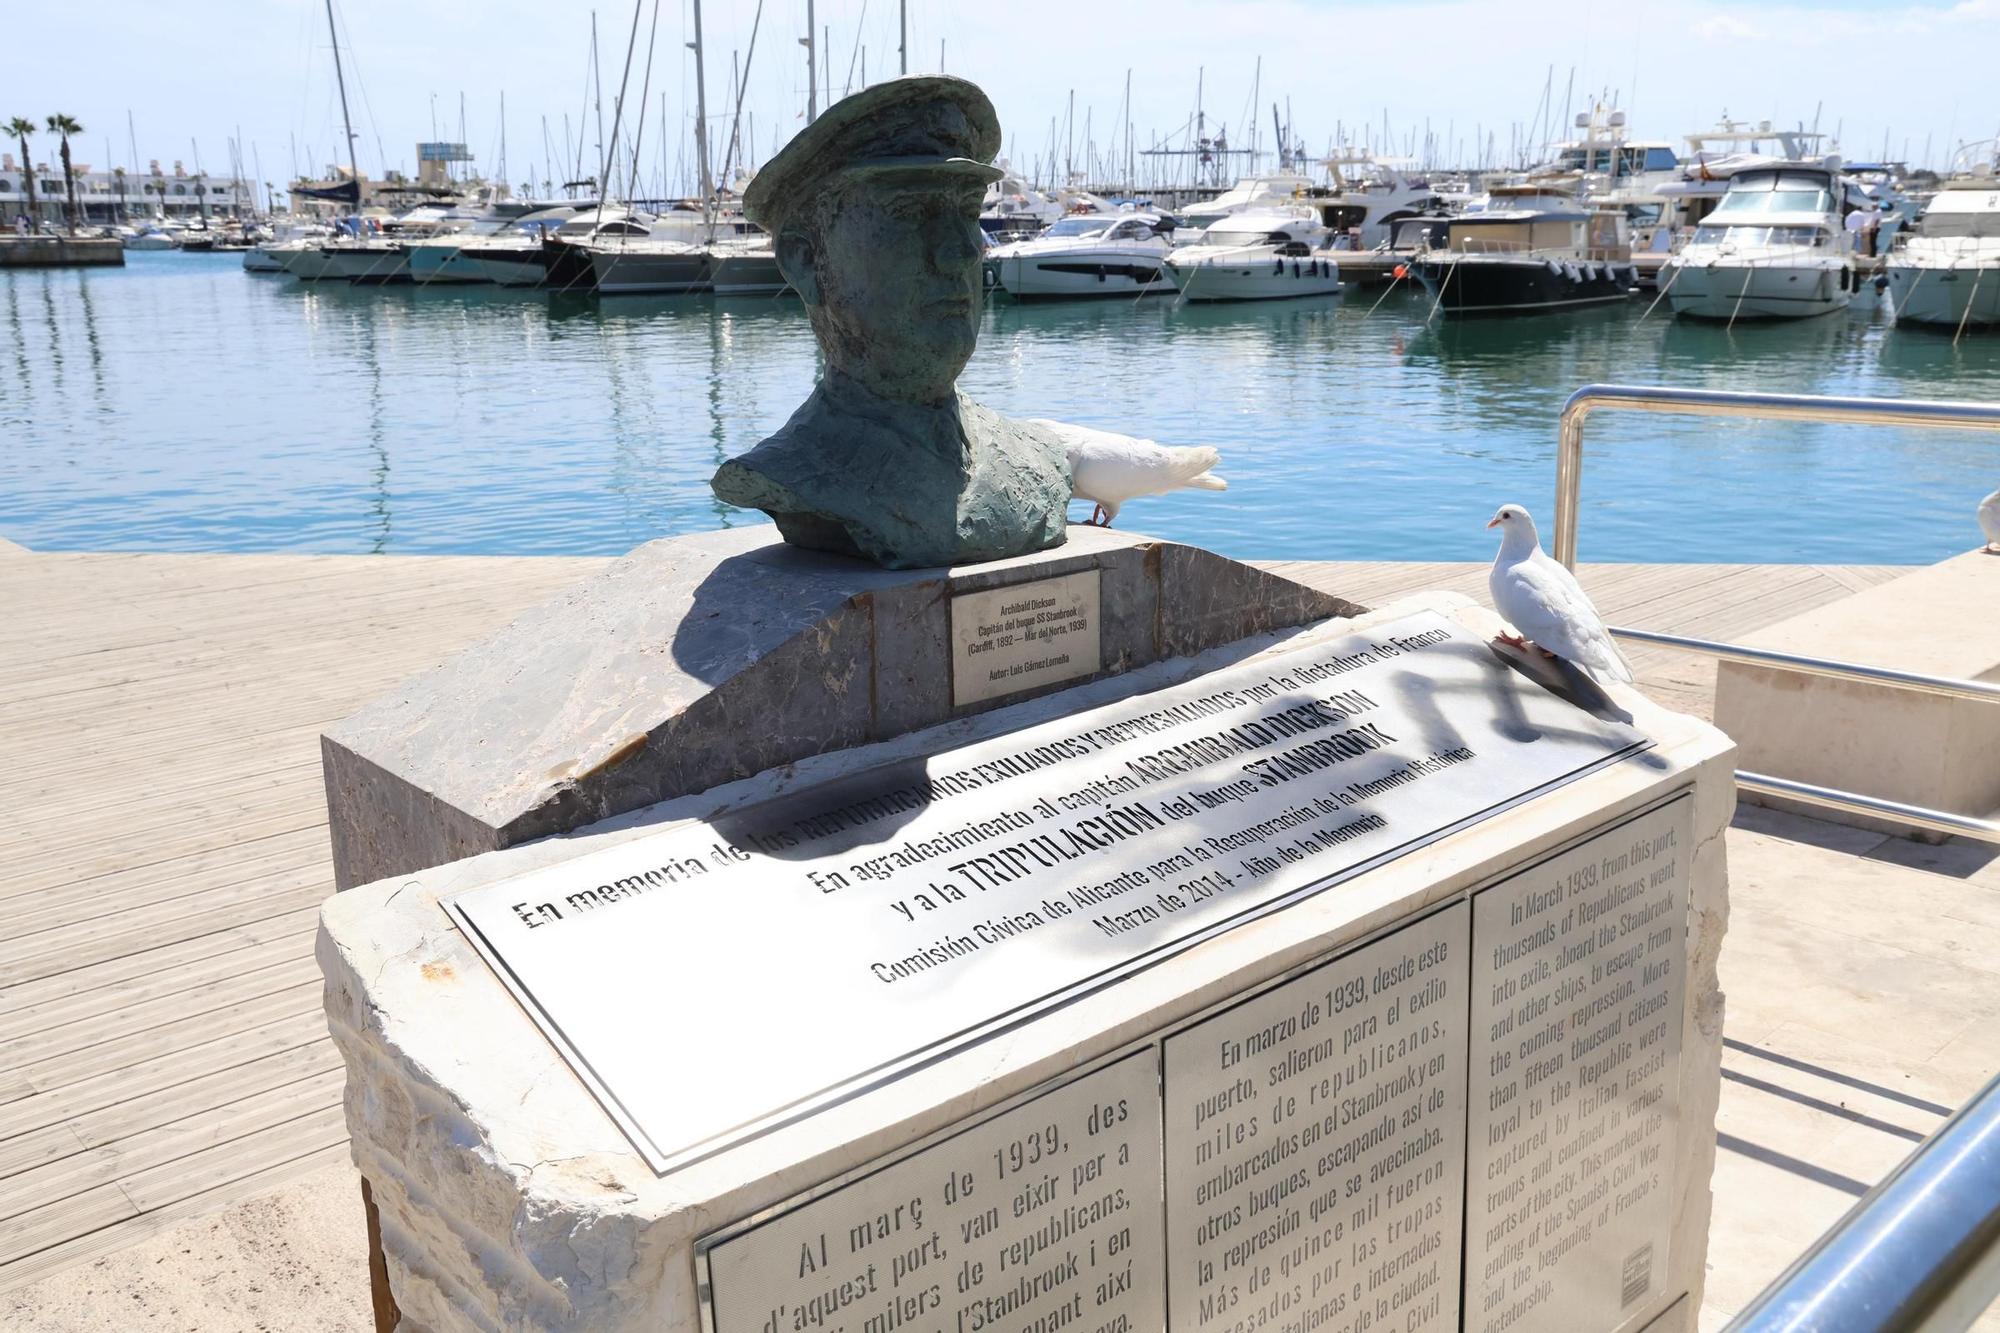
[(116, 195)]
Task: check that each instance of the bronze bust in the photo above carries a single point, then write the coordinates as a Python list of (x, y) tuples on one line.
[(874, 210)]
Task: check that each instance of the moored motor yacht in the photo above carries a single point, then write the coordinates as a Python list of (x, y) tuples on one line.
[(1948, 273), (1526, 249), (1275, 190), (745, 268), (1090, 254), (1774, 248), (1013, 209), (1257, 256), (628, 265)]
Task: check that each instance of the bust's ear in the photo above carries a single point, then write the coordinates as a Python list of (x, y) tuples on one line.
[(798, 263)]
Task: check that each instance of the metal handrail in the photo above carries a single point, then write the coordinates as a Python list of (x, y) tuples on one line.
[(1920, 1251), (1949, 686), (1832, 798), (1717, 403)]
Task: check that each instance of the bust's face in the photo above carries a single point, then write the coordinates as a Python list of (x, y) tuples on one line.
[(898, 270)]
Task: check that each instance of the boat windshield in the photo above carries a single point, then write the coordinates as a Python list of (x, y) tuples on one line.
[(1244, 238), (1083, 226), (1783, 195), (1741, 235)]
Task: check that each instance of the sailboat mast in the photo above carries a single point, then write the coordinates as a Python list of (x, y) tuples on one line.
[(903, 34), (346, 125), (701, 113), (812, 68)]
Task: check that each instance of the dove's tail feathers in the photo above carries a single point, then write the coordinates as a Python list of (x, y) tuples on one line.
[(1193, 460), (1208, 481)]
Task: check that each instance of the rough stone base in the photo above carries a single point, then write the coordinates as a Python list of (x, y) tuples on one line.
[(510, 1200), (696, 661)]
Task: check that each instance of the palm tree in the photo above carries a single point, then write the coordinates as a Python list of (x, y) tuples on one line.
[(118, 179), (66, 126), (21, 127)]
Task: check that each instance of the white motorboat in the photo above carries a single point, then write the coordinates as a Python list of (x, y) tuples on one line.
[(1774, 248), (1092, 254), (1948, 273), (1525, 248), (153, 238), (1257, 256), (542, 247), (1368, 199), (1014, 209), (1277, 190)]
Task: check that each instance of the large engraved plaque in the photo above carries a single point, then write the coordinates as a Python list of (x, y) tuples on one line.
[(1578, 969), (1315, 1145), (1046, 1216), (862, 928)]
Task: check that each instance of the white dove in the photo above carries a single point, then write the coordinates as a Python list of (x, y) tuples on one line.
[(1989, 522), (1108, 469), (1544, 601)]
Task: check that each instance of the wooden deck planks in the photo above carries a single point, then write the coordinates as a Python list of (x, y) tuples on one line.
[(162, 1047)]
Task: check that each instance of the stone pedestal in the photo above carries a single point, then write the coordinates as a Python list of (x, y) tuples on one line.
[(695, 661), (1396, 1027)]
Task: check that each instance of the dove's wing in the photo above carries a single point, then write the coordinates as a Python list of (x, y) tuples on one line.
[(1546, 603)]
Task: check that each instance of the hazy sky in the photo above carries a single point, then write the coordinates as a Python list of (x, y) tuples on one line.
[(1915, 71)]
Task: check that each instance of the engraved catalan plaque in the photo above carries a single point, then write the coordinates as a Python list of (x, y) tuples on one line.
[(867, 926), (1578, 967), (1046, 1216), (1316, 1145), (1021, 637)]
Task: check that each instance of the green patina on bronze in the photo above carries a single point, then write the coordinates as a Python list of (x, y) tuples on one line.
[(875, 213)]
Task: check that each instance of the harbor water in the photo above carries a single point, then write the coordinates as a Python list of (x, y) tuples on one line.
[(181, 404)]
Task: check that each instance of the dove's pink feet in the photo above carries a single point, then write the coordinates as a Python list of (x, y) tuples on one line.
[(1514, 641)]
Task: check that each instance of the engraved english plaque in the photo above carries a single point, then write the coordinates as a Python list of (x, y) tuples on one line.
[(1578, 969), (865, 927)]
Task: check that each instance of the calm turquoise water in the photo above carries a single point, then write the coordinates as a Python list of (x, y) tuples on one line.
[(182, 404)]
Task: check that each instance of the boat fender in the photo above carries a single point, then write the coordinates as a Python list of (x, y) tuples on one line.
[(1295, 268), (1278, 267), (1881, 285), (1569, 271), (1590, 272), (1555, 267)]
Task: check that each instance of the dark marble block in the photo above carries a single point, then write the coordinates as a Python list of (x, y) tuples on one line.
[(695, 661)]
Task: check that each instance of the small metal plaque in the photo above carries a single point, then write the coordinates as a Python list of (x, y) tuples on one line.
[(862, 928), (1316, 1145), (1577, 975), (1021, 637), (1046, 1216)]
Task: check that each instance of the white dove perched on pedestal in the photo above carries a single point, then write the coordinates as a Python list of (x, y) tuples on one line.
[(1108, 469), (1544, 601), (1989, 522)]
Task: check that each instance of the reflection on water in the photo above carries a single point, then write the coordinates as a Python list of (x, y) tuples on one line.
[(181, 404)]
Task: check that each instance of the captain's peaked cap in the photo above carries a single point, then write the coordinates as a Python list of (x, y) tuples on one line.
[(924, 125)]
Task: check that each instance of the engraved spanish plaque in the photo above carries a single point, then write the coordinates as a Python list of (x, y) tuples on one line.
[(1578, 966), (1025, 636), (870, 925), (1045, 1216), (1316, 1145)]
